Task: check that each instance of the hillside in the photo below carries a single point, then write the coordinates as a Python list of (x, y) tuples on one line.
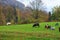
[(27, 32), (15, 12), (13, 3)]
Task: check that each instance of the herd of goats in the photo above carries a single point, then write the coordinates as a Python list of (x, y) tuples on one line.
[(47, 26)]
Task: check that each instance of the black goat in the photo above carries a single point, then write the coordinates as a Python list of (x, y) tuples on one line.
[(56, 24), (59, 29), (36, 24)]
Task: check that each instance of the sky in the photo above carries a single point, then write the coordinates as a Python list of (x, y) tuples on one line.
[(49, 4)]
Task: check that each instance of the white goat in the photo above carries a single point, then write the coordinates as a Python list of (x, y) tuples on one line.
[(8, 23)]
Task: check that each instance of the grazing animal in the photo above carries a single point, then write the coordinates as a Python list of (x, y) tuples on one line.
[(8, 23), (36, 24), (56, 24), (52, 28), (59, 29), (47, 26)]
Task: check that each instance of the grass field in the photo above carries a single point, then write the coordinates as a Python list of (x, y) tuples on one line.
[(27, 32)]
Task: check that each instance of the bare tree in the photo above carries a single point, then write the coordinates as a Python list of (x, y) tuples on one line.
[(36, 5)]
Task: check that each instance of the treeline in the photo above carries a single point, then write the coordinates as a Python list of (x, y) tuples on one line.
[(8, 14), (16, 16), (55, 16)]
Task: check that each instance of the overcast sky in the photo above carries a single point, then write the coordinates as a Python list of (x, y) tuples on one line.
[(49, 4)]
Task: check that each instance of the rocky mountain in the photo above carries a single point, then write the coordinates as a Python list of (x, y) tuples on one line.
[(13, 3)]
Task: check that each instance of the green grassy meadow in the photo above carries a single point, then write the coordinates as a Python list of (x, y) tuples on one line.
[(27, 32)]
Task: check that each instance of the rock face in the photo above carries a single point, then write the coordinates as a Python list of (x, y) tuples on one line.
[(13, 3)]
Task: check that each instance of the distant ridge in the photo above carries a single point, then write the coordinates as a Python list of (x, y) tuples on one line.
[(12, 3)]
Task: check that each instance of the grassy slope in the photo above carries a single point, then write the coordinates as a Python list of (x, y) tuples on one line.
[(26, 31)]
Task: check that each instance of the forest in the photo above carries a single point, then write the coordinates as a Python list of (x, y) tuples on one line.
[(15, 15)]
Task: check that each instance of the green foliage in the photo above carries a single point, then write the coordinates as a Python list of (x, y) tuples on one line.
[(56, 13)]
